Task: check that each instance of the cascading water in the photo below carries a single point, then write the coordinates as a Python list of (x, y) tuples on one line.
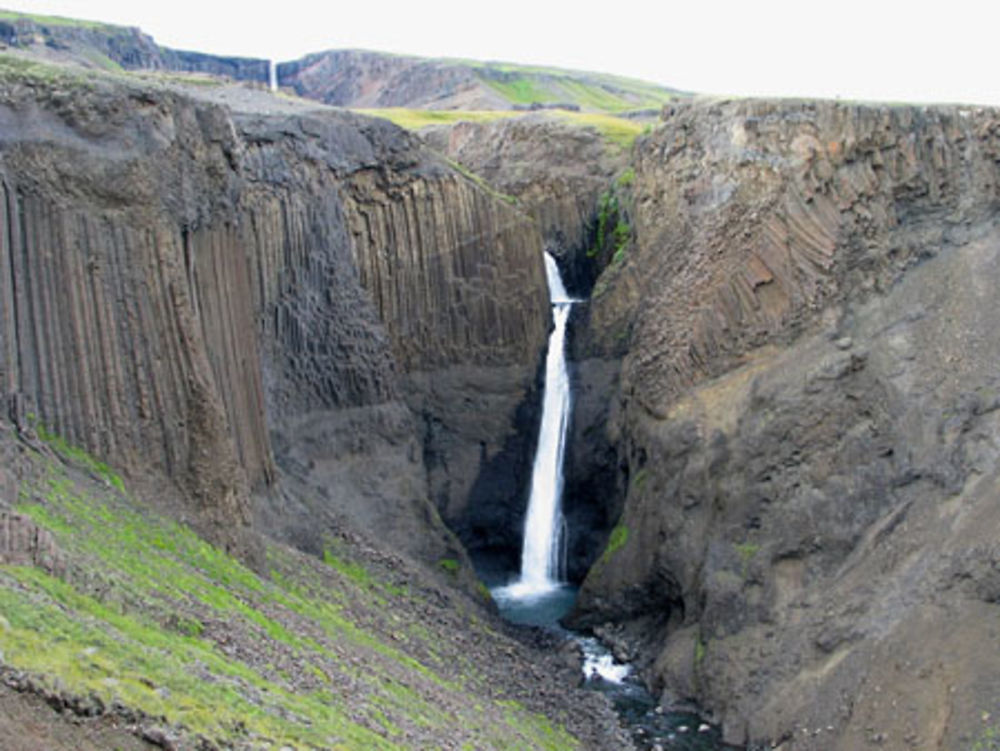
[(542, 552), (543, 527), (540, 596)]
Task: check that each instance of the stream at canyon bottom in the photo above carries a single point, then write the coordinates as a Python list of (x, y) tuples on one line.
[(651, 728), (539, 596)]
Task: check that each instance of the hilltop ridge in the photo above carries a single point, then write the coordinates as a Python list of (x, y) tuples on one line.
[(363, 78)]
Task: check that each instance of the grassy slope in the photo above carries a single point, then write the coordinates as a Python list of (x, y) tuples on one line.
[(526, 84), (9, 15), (325, 655), (617, 130)]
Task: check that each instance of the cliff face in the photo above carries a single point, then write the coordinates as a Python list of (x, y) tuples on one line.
[(807, 411), (556, 170), (103, 336), (220, 299), (103, 45)]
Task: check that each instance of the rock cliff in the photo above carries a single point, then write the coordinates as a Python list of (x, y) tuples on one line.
[(556, 170), (222, 300), (806, 409), (106, 46)]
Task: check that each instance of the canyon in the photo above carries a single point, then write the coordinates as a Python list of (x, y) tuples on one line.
[(316, 339)]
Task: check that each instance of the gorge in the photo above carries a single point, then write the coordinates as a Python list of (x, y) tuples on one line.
[(273, 373)]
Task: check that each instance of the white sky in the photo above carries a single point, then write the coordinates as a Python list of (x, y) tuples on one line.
[(891, 51)]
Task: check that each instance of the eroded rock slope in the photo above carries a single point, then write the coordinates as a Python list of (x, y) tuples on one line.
[(807, 413)]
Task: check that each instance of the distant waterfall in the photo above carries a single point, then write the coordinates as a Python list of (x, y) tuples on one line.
[(272, 75), (541, 556)]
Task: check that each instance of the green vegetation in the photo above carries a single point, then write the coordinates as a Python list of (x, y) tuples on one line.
[(353, 571), (746, 552), (617, 131), (532, 88), (989, 740), (484, 591), (102, 61), (74, 454), (618, 537), (607, 205), (626, 178), (521, 90), (449, 565), (609, 210), (465, 171), (640, 478), (412, 119), (621, 234), (13, 67), (7, 15), (528, 84), (150, 615), (616, 540), (187, 79), (699, 651)]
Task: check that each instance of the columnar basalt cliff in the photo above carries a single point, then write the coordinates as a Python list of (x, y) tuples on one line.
[(807, 408), (225, 299), (556, 170)]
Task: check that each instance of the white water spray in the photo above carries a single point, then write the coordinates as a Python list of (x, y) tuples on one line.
[(541, 556), (272, 75)]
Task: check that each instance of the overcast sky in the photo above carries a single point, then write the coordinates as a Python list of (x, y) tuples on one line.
[(872, 50)]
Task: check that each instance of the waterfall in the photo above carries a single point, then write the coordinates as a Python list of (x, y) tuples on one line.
[(272, 75), (543, 551)]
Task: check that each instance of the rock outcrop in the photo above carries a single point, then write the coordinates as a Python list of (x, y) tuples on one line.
[(807, 413), (223, 300)]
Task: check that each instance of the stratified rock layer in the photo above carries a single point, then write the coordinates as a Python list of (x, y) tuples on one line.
[(808, 413)]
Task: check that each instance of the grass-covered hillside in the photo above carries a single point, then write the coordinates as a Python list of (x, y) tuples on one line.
[(142, 620), (356, 78), (592, 92)]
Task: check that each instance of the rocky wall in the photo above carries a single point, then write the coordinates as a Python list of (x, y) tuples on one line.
[(807, 421), (557, 171), (253, 306)]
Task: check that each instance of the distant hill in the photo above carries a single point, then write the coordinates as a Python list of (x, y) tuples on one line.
[(357, 78), (99, 45), (344, 78)]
